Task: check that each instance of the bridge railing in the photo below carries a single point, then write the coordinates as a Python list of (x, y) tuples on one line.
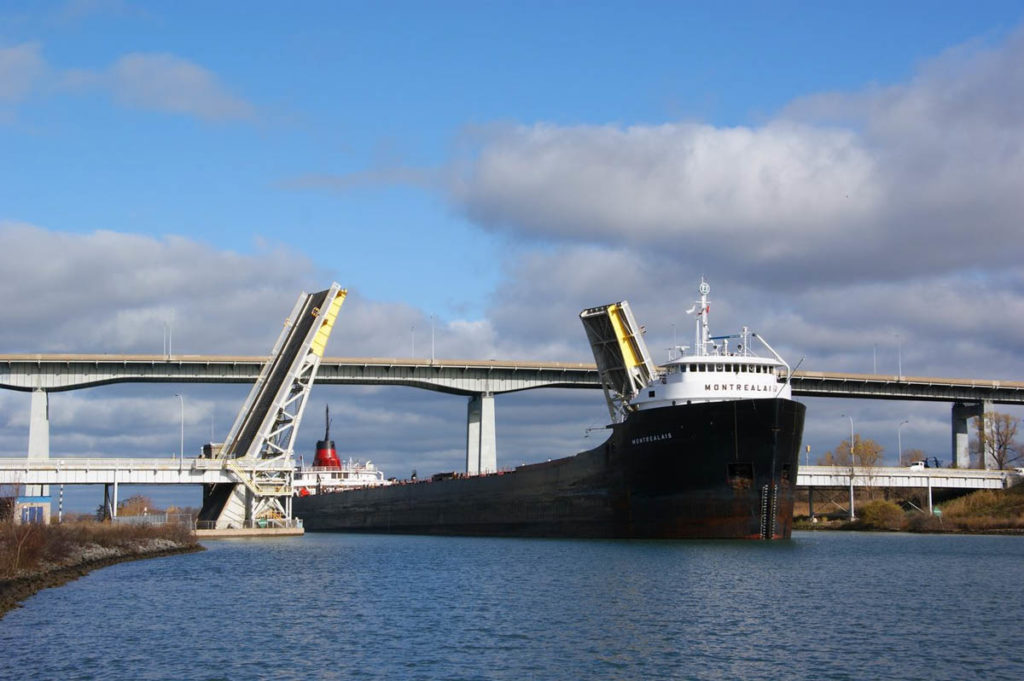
[(258, 523), (82, 463), (154, 519), (896, 476)]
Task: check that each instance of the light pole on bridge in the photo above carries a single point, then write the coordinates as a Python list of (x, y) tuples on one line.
[(899, 442), (899, 357), (852, 515), (181, 450)]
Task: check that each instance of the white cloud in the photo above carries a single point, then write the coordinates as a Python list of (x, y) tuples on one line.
[(895, 183), (165, 82), (150, 81), (21, 69), (670, 184), (111, 292)]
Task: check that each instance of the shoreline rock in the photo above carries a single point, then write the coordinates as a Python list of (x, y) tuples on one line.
[(15, 590)]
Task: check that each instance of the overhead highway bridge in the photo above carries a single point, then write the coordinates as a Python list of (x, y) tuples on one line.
[(480, 380)]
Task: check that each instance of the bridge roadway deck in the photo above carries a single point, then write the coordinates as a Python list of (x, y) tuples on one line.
[(140, 471), (462, 377)]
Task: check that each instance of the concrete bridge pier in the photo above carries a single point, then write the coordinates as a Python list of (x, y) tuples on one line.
[(961, 415), (110, 500), (481, 445), (39, 437)]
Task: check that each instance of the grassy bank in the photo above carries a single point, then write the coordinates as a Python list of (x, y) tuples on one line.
[(984, 511), (35, 557)]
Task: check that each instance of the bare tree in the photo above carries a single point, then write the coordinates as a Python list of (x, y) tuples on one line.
[(136, 505), (911, 455), (865, 453), (996, 440), (8, 500)]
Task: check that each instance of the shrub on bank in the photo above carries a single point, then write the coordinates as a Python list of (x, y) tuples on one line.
[(881, 515), (1003, 503), (24, 548)]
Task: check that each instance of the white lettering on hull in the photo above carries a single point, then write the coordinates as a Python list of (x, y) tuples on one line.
[(651, 438), (738, 387)]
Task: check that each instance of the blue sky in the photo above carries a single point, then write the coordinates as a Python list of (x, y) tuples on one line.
[(845, 174), (340, 88)]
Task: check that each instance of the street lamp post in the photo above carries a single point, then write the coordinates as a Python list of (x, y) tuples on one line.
[(852, 514), (181, 450), (899, 356), (899, 442)]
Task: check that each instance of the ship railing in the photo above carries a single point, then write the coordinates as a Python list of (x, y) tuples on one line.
[(307, 473), (332, 469)]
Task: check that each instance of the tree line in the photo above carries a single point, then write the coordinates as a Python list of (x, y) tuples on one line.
[(995, 439)]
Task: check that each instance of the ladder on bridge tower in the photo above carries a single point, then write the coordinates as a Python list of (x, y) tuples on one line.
[(259, 449)]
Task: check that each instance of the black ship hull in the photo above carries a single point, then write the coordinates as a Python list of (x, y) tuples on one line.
[(707, 470)]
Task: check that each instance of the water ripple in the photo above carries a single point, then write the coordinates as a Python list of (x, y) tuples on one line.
[(823, 606)]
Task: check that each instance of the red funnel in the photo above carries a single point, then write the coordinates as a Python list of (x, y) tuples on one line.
[(326, 455)]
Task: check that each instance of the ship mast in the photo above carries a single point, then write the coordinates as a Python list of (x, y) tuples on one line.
[(700, 341)]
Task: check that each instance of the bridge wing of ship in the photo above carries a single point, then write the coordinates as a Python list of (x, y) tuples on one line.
[(623, 361)]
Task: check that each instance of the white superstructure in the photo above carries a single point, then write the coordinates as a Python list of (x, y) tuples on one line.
[(716, 369), (324, 479)]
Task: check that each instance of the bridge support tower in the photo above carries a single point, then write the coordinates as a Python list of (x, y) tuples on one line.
[(481, 443), (33, 504), (962, 412), (39, 437)]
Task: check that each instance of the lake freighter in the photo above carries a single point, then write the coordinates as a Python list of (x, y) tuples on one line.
[(705, 446)]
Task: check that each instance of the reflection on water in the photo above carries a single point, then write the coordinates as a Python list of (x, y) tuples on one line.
[(333, 606)]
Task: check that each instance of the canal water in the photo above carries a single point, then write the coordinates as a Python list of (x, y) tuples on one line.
[(338, 606)]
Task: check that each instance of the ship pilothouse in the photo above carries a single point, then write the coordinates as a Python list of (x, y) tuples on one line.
[(715, 368)]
